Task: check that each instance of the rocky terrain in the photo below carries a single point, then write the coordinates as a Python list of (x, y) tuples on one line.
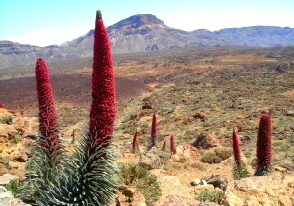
[(145, 32), (199, 95)]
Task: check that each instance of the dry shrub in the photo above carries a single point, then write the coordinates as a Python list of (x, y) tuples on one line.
[(176, 165), (196, 165), (217, 154)]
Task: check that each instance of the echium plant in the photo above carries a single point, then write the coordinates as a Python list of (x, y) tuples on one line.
[(239, 166), (154, 131), (135, 144), (48, 155), (48, 125), (172, 145), (264, 146), (89, 176)]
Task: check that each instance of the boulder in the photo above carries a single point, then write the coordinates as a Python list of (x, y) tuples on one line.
[(171, 180), (131, 197), (195, 182), (203, 187), (274, 189), (186, 153), (176, 200), (5, 179), (217, 181), (232, 200), (202, 116), (6, 198), (206, 140), (23, 150), (154, 158)]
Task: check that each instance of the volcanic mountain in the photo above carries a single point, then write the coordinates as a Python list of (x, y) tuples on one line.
[(145, 32)]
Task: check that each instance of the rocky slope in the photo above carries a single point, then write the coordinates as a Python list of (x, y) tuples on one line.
[(145, 32)]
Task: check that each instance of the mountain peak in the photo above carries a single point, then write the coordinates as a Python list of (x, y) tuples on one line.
[(136, 21)]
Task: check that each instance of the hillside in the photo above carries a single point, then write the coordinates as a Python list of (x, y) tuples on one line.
[(145, 32), (195, 91)]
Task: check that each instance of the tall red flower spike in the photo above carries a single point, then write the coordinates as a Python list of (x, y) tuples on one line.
[(154, 131), (103, 108), (172, 145), (135, 143), (236, 148), (264, 145), (1, 104), (48, 125)]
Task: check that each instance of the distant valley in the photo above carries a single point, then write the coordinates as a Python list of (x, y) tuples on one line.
[(145, 32)]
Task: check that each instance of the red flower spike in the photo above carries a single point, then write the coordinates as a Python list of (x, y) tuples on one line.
[(135, 144), (154, 131), (1, 104), (264, 145), (48, 125), (163, 146), (172, 144), (103, 109), (236, 148)]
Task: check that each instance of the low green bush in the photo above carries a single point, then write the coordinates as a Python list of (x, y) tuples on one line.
[(6, 120), (15, 186), (217, 154), (133, 175), (210, 196)]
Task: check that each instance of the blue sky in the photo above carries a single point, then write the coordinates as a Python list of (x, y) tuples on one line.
[(47, 22)]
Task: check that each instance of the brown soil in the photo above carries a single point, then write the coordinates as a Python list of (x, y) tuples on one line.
[(70, 90), (288, 93)]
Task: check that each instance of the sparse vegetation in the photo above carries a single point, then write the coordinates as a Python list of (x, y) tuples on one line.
[(133, 175), (196, 165), (211, 196), (217, 154), (16, 139), (15, 186), (232, 86), (6, 120)]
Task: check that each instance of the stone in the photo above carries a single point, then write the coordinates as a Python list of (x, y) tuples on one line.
[(5, 179), (203, 187), (232, 200), (7, 199), (171, 180), (131, 197), (279, 136), (206, 140), (154, 158), (273, 189), (280, 169), (217, 181), (207, 204), (186, 153), (202, 116), (176, 200), (13, 164), (7, 132), (195, 182), (287, 164)]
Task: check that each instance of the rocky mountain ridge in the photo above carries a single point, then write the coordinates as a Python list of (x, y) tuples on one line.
[(145, 32)]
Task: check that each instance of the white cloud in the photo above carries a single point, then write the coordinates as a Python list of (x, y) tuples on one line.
[(46, 37)]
